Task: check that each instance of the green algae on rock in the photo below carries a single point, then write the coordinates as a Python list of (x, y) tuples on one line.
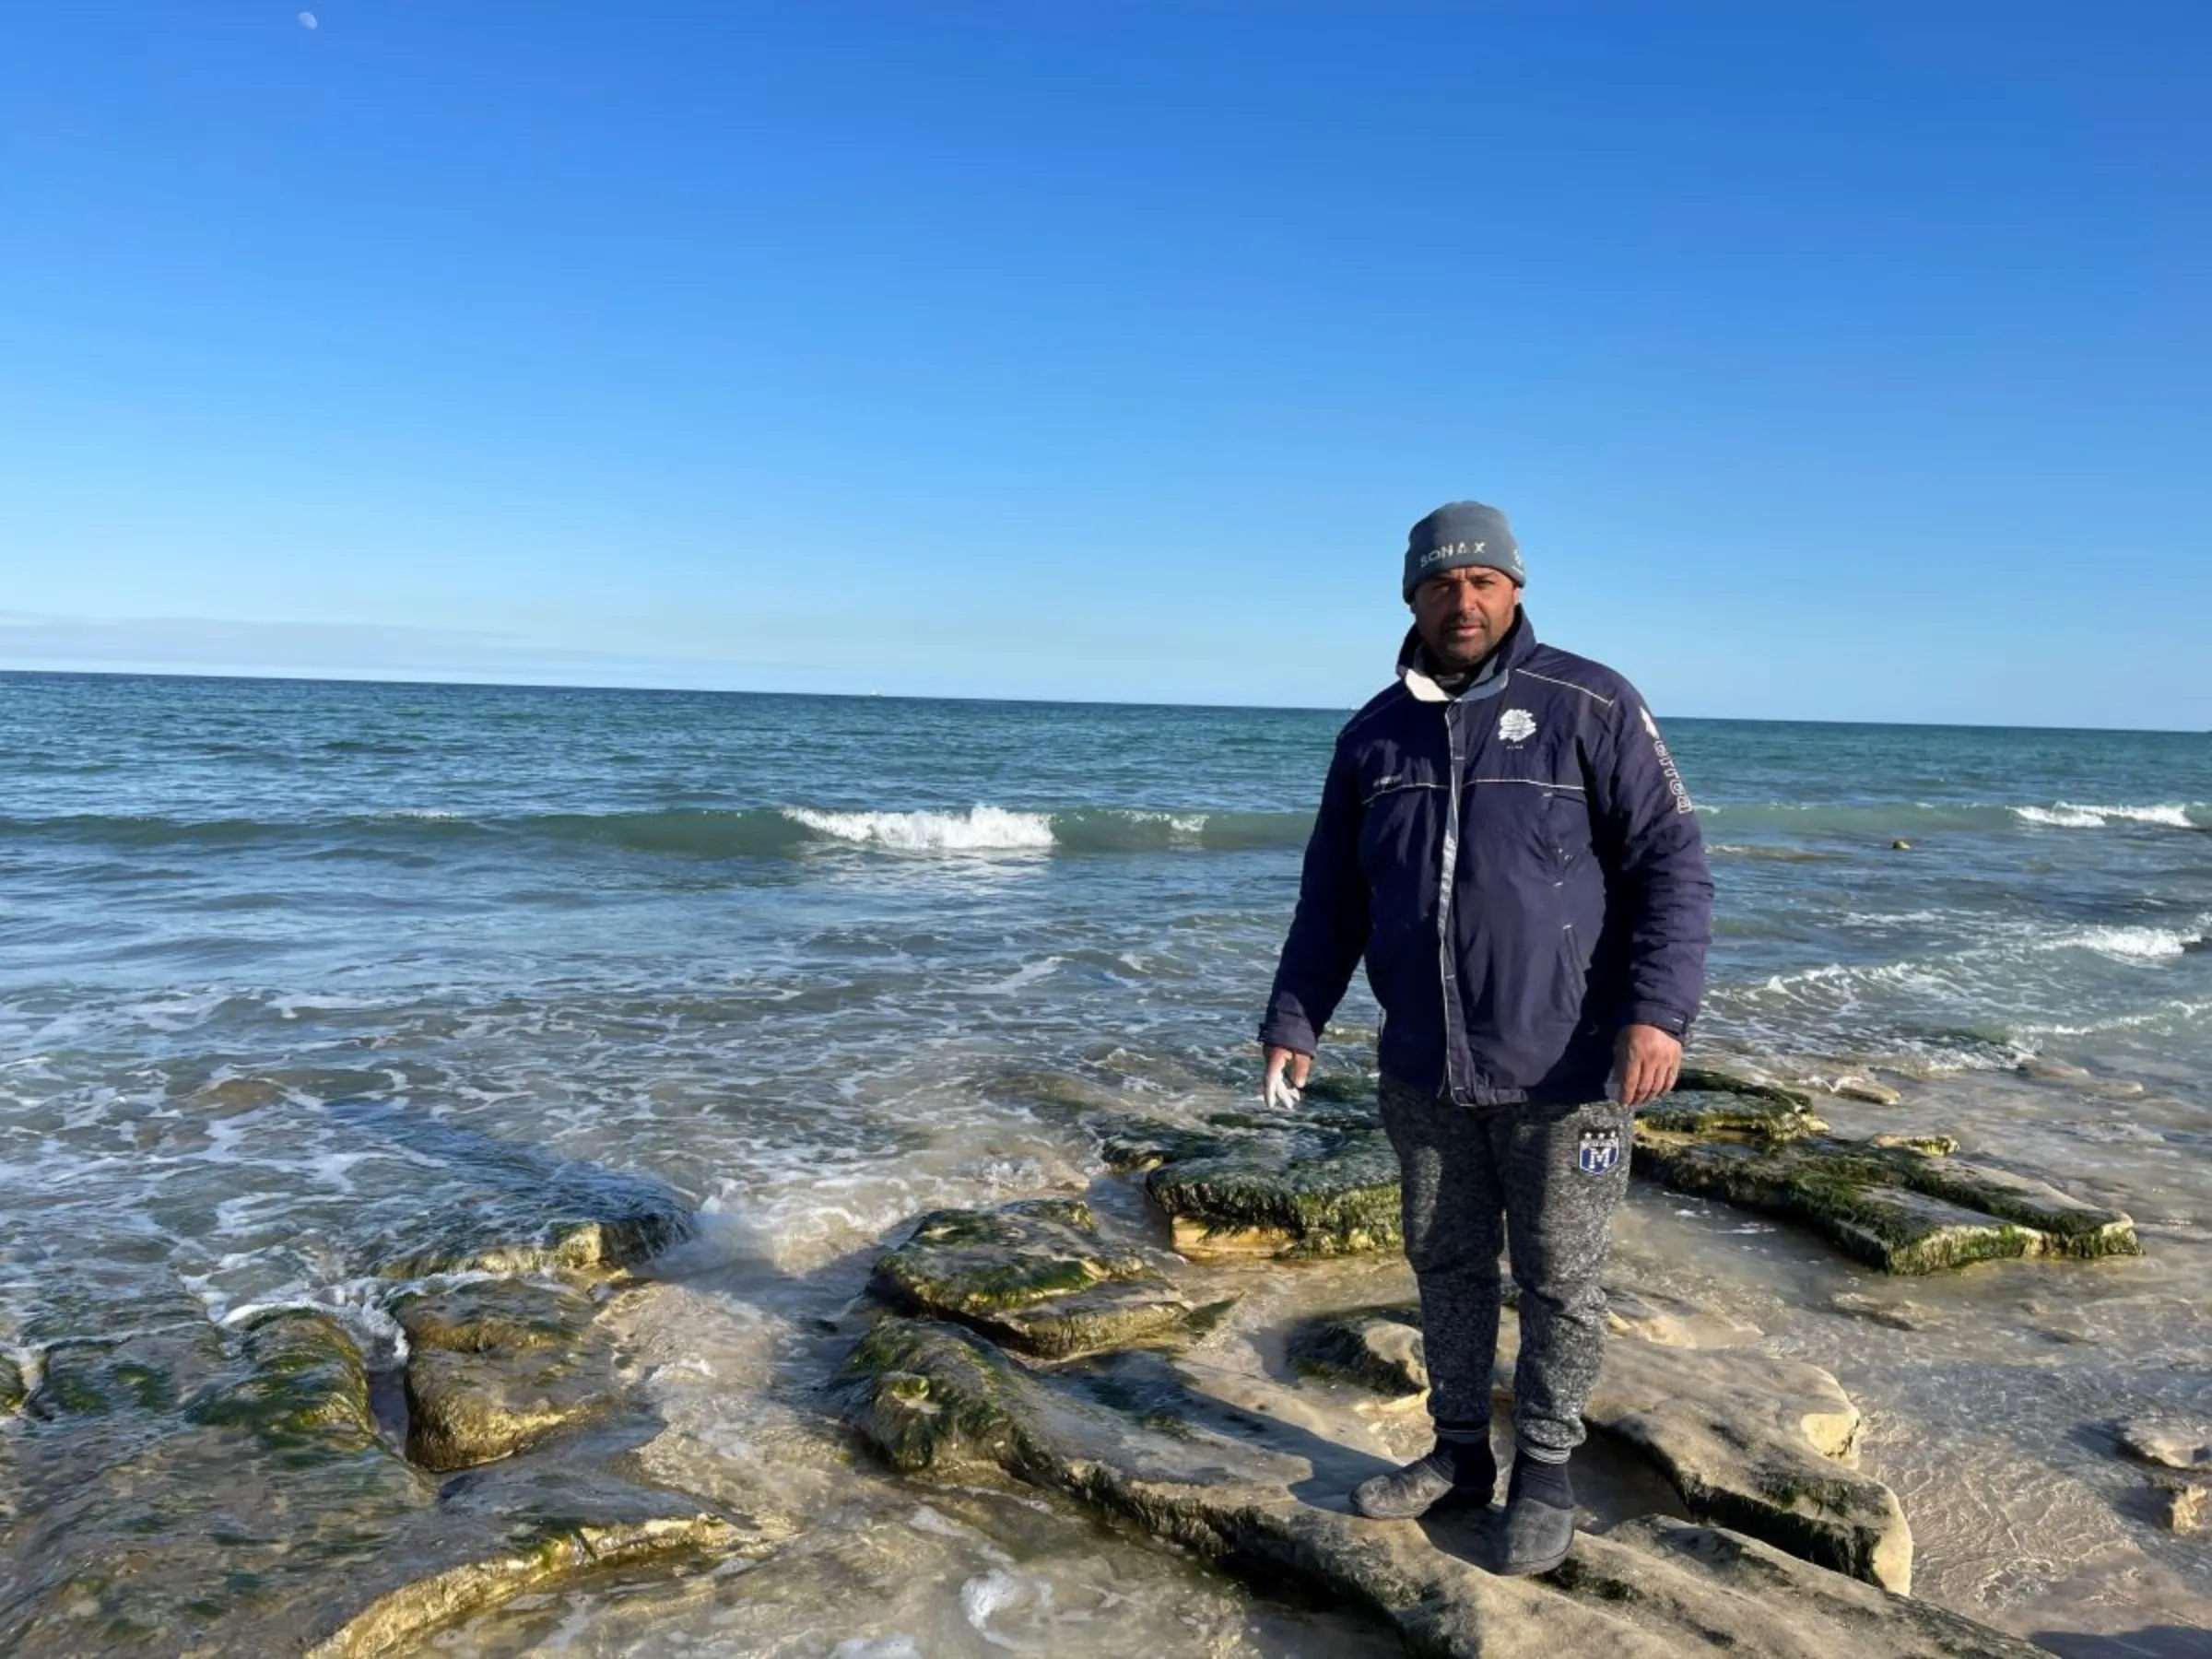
[(931, 1397), (12, 1392), (1707, 1080), (148, 1371), (305, 1392), (497, 1366), (1905, 1207), (1379, 1349), (1308, 1184), (1034, 1275), (937, 1400), (1745, 1111), (605, 1244)]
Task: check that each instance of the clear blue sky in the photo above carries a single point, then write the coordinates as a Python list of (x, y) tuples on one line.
[(1842, 359)]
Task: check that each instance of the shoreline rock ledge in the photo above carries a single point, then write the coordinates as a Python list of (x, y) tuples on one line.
[(1243, 1186), (1904, 1204), (1135, 1438), (1033, 1275), (1321, 1183), (1748, 1440)]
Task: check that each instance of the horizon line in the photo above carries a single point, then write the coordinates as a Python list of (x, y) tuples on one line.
[(273, 676)]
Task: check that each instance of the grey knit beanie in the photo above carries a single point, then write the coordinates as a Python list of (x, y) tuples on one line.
[(1461, 533)]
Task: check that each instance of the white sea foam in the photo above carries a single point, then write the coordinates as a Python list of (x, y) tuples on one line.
[(1027, 974), (988, 1593), (900, 1646), (978, 829), (2166, 1013), (2070, 815), (2146, 944)]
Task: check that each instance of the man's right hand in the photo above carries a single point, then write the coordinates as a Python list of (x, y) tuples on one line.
[(1287, 1073)]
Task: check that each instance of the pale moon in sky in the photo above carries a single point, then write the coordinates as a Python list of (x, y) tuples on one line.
[(307, 20)]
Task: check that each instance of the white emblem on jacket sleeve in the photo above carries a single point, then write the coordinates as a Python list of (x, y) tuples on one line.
[(1516, 725), (1666, 763)]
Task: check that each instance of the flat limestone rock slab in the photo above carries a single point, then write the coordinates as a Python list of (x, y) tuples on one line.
[(1708, 1102), (2175, 1443), (1753, 1441), (938, 1401), (1670, 1321), (1713, 1079), (1866, 1090), (397, 1621), (1304, 1184), (1379, 1349), (1034, 1275), (495, 1367), (1901, 1207), (1747, 1439)]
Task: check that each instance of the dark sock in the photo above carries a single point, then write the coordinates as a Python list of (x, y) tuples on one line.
[(1463, 1450), (1544, 1482)]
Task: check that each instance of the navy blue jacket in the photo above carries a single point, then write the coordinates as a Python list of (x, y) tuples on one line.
[(1577, 898)]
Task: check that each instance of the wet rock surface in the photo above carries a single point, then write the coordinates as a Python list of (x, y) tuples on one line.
[(531, 1212), (497, 1366), (1747, 1439), (1135, 1438), (304, 1393), (1718, 1080), (577, 1244), (173, 1486), (1324, 1183), (1723, 1106), (1314, 1183), (2175, 1443), (1034, 1275), (1867, 1090), (1903, 1205), (546, 1555), (1760, 1443), (1379, 1349), (2182, 1506)]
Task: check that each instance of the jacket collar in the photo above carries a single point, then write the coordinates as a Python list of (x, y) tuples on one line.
[(1519, 639)]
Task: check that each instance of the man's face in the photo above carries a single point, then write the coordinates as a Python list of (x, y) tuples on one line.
[(1461, 615)]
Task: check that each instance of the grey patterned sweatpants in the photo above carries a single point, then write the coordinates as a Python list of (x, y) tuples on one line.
[(1544, 1180)]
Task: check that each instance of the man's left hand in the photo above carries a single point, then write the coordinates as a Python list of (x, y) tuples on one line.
[(1646, 1061)]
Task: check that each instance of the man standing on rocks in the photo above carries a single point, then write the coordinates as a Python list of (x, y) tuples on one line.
[(1504, 838)]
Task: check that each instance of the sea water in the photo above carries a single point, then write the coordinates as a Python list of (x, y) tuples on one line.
[(285, 966)]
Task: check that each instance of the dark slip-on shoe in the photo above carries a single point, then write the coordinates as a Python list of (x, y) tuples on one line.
[(1417, 1489), (1533, 1536)]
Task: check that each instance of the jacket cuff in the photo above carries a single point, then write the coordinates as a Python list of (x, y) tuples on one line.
[(1281, 1029), (1670, 1020)]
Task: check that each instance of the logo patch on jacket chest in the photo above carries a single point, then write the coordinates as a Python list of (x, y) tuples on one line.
[(1600, 1150), (1516, 725)]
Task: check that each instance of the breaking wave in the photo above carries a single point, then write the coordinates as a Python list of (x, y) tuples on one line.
[(1909, 818), (2066, 815)]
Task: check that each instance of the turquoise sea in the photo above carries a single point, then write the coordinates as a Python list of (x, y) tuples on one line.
[(803, 961)]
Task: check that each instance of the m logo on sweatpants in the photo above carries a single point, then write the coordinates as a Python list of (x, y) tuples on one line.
[(1600, 1150)]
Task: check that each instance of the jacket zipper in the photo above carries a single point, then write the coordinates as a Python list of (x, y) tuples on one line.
[(1449, 864)]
